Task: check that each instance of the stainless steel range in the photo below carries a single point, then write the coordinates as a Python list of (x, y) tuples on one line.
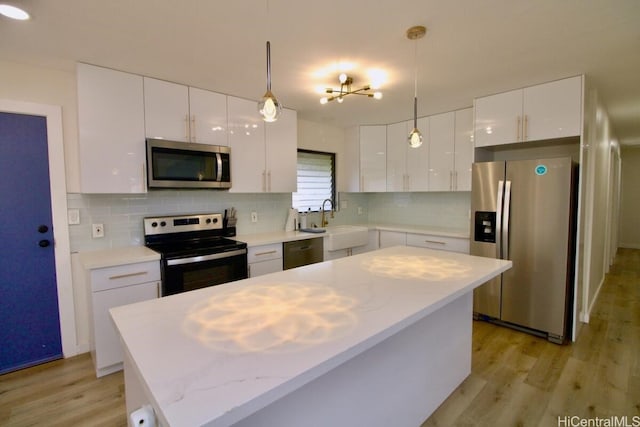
[(194, 253)]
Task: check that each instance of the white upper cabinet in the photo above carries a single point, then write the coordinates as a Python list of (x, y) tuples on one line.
[(282, 153), (262, 160), (208, 111), (463, 157), (407, 168), (553, 110), (546, 111), (111, 131), (397, 156), (246, 139), (441, 152), (166, 107), (498, 118), (373, 158), (181, 113)]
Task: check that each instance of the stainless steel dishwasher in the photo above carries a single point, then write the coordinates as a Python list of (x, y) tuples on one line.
[(302, 252)]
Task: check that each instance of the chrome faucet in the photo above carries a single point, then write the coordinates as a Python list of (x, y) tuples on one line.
[(323, 220)]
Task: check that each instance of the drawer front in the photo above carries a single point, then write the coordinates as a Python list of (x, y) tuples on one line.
[(124, 275), (265, 267), (264, 252), (451, 244)]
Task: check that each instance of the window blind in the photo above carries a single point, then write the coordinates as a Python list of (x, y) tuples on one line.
[(315, 180)]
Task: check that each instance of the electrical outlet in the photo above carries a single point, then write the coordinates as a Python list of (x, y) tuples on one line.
[(359, 210), (97, 230), (254, 216)]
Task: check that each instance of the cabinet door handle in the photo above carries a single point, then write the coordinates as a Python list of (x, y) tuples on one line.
[(518, 129), (193, 128), (186, 128), (269, 180), (158, 289), (122, 276), (526, 126), (266, 253), (264, 181), (435, 242), (408, 182), (450, 180), (455, 177), (144, 177)]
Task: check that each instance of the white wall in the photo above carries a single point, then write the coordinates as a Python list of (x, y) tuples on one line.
[(629, 234), (22, 82)]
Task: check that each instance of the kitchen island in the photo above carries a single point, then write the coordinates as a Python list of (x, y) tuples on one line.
[(376, 339)]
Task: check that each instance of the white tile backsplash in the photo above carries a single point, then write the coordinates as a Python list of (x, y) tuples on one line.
[(122, 214)]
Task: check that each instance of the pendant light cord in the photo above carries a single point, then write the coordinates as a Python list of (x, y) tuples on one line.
[(268, 66), (415, 84)]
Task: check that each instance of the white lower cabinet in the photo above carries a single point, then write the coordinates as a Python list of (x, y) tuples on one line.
[(392, 238), (451, 244), (371, 245), (264, 259), (112, 287)]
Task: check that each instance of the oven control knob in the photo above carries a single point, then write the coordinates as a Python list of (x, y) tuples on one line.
[(215, 220), (208, 221), (162, 223), (154, 224)]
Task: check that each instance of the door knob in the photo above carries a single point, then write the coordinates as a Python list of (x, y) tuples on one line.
[(44, 243), (43, 229)]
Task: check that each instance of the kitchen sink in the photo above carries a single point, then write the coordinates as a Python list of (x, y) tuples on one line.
[(345, 236)]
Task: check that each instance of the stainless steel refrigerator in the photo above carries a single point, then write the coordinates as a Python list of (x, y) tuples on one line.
[(525, 211)]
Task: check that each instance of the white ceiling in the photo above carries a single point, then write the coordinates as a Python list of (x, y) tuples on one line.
[(472, 48)]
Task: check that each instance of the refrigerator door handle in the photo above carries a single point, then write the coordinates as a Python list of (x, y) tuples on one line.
[(505, 227), (499, 219)]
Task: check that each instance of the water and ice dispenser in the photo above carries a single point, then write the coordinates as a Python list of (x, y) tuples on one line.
[(485, 227)]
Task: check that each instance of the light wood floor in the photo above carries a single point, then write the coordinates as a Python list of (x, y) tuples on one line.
[(516, 379)]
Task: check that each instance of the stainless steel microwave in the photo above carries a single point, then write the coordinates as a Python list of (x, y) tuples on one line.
[(173, 164)]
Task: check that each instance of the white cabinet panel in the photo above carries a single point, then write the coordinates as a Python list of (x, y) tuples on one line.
[(166, 108), (111, 131), (553, 110), (418, 158), (112, 287), (265, 267), (264, 259), (246, 139), (397, 156), (282, 153), (373, 158), (208, 112), (262, 159), (180, 113), (498, 118), (108, 351), (451, 244), (546, 111), (407, 168), (463, 157), (441, 151), (392, 238)]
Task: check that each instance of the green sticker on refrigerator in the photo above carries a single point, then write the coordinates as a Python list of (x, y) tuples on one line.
[(541, 170)]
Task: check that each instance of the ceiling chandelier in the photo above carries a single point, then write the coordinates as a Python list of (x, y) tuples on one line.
[(346, 89)]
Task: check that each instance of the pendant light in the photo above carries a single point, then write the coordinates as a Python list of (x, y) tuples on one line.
[(269, 107), (415, 137)]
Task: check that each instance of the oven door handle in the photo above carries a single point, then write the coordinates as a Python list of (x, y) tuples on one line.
[(191, 260)]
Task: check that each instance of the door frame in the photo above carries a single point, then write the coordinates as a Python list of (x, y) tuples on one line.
[(58, 191)]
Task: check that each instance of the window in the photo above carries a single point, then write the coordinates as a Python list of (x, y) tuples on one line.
[(316, 180)]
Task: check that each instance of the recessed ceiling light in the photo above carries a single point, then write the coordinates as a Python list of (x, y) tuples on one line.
[(13, 12)]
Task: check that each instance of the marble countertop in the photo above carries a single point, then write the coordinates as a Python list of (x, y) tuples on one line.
[(117, 256), (215, 355)]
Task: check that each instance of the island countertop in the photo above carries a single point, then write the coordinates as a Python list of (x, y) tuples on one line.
[(216, 355)]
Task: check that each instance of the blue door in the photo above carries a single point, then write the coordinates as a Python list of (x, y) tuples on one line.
[(29, 320)]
